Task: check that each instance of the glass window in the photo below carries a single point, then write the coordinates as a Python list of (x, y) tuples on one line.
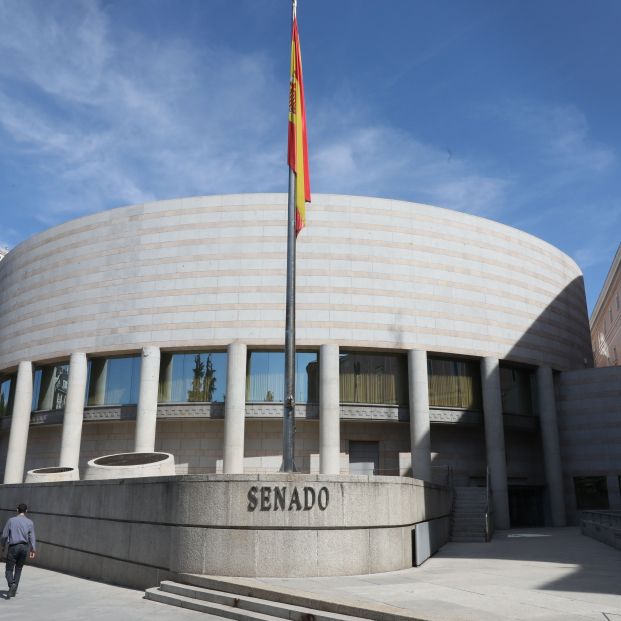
[(517, 386), (591, 492), (193, 377), (6, 396), (265, 376), (50, 387), (454, 383), (113, 381), (373, 378)]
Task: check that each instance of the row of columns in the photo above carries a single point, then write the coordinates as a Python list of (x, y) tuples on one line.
[(329, 420)]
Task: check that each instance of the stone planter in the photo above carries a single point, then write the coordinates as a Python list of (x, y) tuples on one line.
[(130, 465), (51, 475)]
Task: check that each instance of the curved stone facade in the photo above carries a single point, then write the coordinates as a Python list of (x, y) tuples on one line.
[(443, 298), (139, 531), (371, 273)]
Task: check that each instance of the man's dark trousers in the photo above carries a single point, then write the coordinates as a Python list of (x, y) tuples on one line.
[(15, 560)]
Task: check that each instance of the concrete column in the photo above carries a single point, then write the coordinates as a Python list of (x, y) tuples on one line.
[(550, 443), (146, 414), (235, 410), (420, 429), (74, 412), (20, 422), (614, 493), (495, 440), (329, 411)]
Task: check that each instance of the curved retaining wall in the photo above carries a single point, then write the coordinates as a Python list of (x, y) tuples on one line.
[(371, 273), (139, 531)]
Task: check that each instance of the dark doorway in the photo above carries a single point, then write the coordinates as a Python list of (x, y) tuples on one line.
[(526, 506), (363, 457)]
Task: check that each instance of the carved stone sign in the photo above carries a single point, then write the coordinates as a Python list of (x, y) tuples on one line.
[(287, 499)]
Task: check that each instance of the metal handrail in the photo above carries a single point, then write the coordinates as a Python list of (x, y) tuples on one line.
[(489, 507)]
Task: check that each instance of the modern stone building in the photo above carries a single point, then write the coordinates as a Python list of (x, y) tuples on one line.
[(429, 342)]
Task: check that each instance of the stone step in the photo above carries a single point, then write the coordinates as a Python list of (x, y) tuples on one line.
[(468, 539), (318, 603), (470, 490), (468, 517), (468, 531), (235, 606), (213, 609)]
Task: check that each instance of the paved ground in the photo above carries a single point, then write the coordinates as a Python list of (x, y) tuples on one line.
[(540, 575), (534, 574)]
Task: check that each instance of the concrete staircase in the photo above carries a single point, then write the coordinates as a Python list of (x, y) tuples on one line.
[(221, 605), (468, 518), (247, 599)]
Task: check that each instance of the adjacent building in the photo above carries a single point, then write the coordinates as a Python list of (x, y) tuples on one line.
[(606, 318)]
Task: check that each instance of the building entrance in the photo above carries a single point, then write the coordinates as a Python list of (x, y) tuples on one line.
[(526, 506)]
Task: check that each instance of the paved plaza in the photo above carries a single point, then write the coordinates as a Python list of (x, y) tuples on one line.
[(535, 574)]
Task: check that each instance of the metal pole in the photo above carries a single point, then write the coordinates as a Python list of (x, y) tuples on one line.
[(288, 429)]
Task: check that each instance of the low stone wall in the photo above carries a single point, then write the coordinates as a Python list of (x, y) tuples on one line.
[(605, 526), (137, 532)]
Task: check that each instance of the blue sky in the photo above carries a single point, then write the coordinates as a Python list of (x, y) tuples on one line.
[(509, 110)]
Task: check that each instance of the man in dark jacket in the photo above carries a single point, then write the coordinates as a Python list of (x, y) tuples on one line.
[(19, 535)]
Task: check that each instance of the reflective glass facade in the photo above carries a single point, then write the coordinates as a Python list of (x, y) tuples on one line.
[(373, 378), (518, 388), (113, 381), (6, 396), (265, 377), (50, 387), (454, 383), (192, 377)]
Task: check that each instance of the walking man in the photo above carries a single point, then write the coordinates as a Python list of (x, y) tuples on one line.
[(19, 535)]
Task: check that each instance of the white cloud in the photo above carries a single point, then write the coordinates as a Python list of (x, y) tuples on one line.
[(560, 138), (111, 119), (381, 160)]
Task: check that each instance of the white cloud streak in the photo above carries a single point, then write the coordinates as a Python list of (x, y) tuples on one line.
[(111, 119)]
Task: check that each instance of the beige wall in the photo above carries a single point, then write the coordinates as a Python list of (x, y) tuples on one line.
[(589, 406), (197, 446), (606, 319), (207, 271)]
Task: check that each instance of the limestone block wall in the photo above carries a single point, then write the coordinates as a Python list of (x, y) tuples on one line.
[(462, 447), (207, 271), (589, 403), (197, 445), (137, 532), (43, 448)]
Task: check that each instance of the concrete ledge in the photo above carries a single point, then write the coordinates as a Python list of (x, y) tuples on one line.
[(605, 526), (237, 525)]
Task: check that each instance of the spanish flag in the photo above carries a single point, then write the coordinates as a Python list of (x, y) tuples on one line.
[(298, 145)]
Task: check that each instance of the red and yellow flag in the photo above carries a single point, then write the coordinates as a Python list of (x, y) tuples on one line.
[(298, 145)]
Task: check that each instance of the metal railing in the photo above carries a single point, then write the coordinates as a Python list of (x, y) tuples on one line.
[(489, 507)]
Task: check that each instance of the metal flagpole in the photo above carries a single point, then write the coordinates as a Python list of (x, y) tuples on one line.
[(288, 423)]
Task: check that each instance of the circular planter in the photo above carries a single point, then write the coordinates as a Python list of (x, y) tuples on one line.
[(48, 475), (130, 465)]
